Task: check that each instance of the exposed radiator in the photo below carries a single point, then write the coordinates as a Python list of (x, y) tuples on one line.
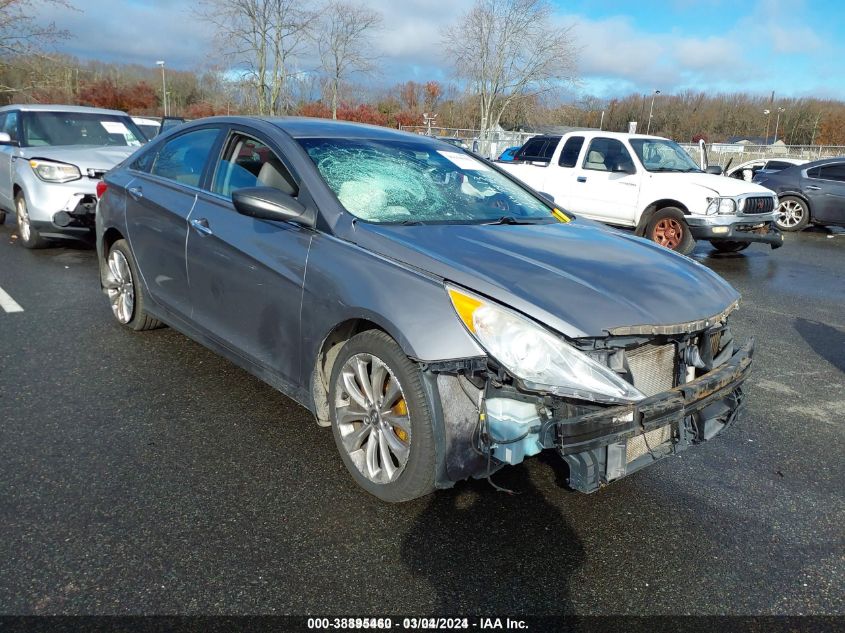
[(653, 368), (639, 444)]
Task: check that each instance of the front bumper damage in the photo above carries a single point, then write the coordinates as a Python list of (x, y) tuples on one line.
[(736, 228), (488, 424)]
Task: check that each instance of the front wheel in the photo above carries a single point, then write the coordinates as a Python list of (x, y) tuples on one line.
[(30, 237), (727, 246), (2, 217), (381, 418), (793, 214), (668, 228)]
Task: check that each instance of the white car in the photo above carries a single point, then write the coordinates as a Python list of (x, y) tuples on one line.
[(747, 170), (150, 127), (650, 184)]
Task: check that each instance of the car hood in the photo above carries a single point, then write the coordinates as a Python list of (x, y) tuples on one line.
[(98, 157), (577, 278), (718, 185)]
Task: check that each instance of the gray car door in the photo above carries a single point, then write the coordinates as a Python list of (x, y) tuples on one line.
[(246, 274), (825, 188), (159, 201)]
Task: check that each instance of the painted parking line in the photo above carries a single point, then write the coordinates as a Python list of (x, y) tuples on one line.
[(7, 303)]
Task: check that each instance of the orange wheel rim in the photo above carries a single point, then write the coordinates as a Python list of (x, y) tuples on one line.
[(668, 232)]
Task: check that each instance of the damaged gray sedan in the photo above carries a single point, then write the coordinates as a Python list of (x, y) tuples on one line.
[(440, 317)]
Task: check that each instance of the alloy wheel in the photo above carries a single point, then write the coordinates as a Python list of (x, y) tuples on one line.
[(24, 228), (372, 418), (119, 286), (790, 213)]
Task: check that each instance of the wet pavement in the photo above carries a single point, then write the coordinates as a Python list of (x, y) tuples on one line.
[(140, 473)]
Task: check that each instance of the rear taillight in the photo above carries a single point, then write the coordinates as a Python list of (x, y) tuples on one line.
[(101, 188)]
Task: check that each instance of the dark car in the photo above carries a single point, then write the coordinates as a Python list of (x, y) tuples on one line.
[(810, 193), (440, 317)]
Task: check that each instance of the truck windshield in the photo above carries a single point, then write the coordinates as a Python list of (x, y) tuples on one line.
[(662, 155), (411, 182), (79, 128)]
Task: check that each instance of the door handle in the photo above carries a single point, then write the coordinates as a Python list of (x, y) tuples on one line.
[(136, 192), (581, 179), (201, 225), (812, 188)]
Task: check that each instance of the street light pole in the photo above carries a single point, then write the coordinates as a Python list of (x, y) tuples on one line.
[(163, 87), (777, 122), (651, 111)]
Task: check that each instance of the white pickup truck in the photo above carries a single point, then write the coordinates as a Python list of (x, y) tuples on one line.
[(648, 183)]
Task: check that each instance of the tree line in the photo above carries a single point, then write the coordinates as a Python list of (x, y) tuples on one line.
[(285, 57)]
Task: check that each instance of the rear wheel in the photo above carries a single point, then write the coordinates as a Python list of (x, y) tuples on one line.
[(793, 214), (30, 237), (381, 418), (2, 217), (725, 246), (668, 228), (124, 289)]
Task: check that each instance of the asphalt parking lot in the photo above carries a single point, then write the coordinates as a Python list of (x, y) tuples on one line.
[(140, 473)]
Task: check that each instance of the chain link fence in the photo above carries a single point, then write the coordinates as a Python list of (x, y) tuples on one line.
[(497, 142), (723, 153)]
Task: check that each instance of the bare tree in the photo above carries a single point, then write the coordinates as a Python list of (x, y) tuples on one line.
[(345, 45), (22, 35), (507, 50), (264, 38)]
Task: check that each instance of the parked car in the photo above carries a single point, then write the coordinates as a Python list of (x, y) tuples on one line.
[(650, 184), (443, 319), (509, 153), (809, 193), (51, 159), (153, 127), (454, 140), (747, 170), (150, 127)]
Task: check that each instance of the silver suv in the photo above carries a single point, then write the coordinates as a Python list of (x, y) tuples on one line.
[(51, 159)]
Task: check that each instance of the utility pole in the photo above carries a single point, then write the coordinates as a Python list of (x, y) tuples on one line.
[(601, 123), (768, 114), (651, 111), (163, 87)]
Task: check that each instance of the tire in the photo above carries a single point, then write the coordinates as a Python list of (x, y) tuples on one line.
[(29, 235), (669, 228), (364, 427), (2, 217), (793, 214), (125, 291), (727, 246)]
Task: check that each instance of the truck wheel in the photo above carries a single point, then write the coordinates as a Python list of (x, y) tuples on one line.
[(123, 286), (793, 214), (668, 228), (30, 237), (727, 246), (2, 217), (381, 418)]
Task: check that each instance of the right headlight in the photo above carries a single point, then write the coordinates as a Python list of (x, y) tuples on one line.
[(51, 171), (723, 206), (539, 358)]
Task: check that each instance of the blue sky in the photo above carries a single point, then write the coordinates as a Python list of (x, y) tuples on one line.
[(794, 47)]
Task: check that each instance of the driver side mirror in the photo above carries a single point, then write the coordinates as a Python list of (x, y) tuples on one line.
[(268, 203), (5, 139), (715, 170)]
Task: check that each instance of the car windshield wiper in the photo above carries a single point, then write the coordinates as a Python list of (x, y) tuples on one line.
[(509, 219)]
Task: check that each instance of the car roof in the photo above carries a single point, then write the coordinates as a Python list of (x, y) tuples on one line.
[(146, 121), (55, 107), (823, 161)]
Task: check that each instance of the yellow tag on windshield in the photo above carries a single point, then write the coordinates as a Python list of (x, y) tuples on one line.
[(560, 215)]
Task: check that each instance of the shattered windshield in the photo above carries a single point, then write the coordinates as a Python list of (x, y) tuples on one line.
[(390, 181), (662, 155)]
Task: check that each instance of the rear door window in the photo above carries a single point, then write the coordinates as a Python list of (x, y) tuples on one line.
[(182, 159), (836, 171)]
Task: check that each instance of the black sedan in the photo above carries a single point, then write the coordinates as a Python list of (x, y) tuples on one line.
[(810, 193)]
